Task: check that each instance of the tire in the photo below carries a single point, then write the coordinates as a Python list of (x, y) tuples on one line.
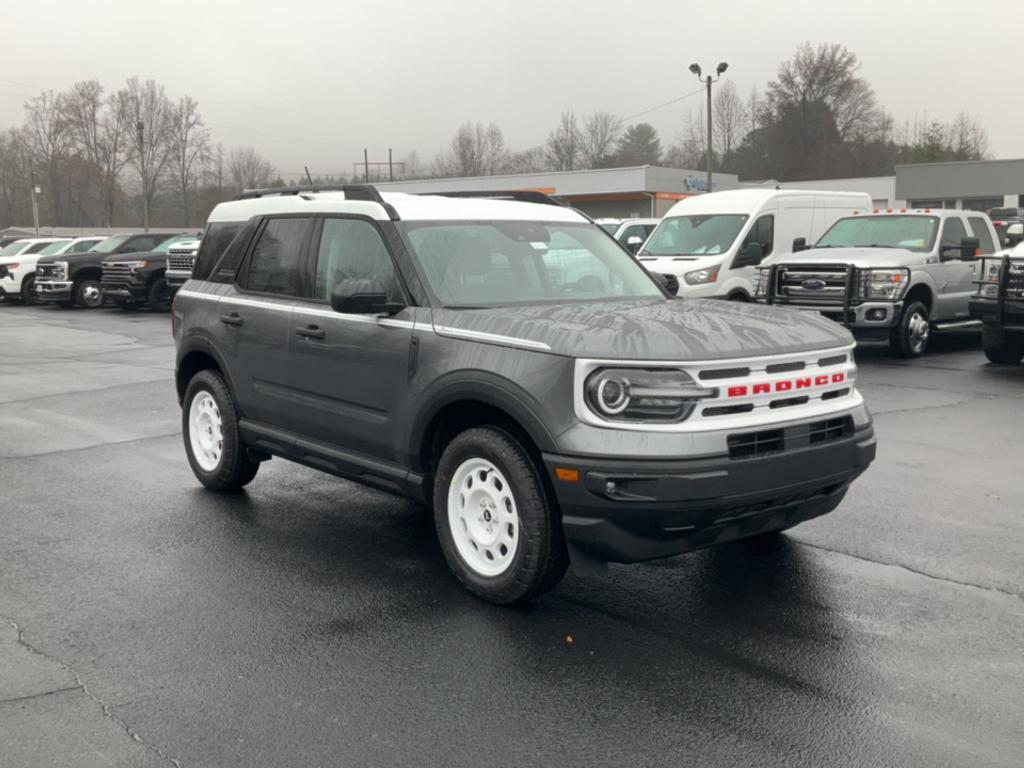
[(88, 293), (1000, 347), (158, 298), (220, 465), (28, 290), (910, 337), (489, 470), (738, 296)]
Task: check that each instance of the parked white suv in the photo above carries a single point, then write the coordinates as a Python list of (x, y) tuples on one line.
[(18, 262), (893, 275)]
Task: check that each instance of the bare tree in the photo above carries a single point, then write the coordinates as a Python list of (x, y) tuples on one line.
[(563, 145), (729, 117), (476, 150), (49, 140), (189, 143), (152, 117), (597, 139), (100, 128), (15, 177), (966, 138), (690, 149), (248, 169)]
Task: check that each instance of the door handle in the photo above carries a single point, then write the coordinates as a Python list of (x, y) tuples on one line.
[(232, 319), (311, 332)]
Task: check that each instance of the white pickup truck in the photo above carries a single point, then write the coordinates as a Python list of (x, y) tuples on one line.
[(893, 275)]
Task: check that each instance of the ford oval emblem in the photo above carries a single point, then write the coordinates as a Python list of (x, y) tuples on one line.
[(813, 284)]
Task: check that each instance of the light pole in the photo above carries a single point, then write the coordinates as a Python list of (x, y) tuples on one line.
[(719, 70), (140, 127)]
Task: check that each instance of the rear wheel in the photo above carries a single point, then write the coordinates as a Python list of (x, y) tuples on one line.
[(89, 293), (209, 425), (499, 529), (910, 337), (1000, 347)]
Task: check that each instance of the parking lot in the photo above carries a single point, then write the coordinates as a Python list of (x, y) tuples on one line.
[(309, 621)]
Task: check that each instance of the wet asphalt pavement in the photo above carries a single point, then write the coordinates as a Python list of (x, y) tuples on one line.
[(312, 622)]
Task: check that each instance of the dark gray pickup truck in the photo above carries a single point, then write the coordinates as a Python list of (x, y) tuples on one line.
[(510, 365)]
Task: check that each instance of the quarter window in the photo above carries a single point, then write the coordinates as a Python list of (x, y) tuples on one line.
[(979, 227), (216, 239), (274, 263), (351, 249)]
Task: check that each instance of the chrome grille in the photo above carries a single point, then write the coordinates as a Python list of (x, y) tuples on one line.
[(811, 284), (180, 262)]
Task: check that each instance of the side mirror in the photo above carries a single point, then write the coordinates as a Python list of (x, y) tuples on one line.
[(361, 296), (1014, 234), (633, 243), (751, 255), (669, 282), (799, 244), (969, 248)]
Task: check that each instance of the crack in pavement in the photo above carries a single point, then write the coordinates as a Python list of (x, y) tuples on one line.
[(86, 391), (79, 683), (40, 695), (127, 441), (908, 569)]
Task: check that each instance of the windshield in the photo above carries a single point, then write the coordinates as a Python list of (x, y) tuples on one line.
[(914, 233), (170, 242), (13, 249), (492, 263), (54, 248), (110, 244), (695, 235)]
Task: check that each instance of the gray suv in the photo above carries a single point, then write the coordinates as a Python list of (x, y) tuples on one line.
[(509, 364)]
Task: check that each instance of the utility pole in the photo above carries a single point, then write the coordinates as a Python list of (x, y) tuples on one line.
[(719, 71), (141, 135), (366, 166), (35, 202), (391, 167)]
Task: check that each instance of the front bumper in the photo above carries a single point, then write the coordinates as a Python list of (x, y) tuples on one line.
[(54, 290), (625, 510), (176, 279), (1010, 315), (867, 320), (122, 291)]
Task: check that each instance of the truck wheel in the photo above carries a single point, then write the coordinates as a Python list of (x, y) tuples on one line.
[(209, 425), (1000, 347), (499, 529), (910, 337), (28, 290), (158, 298), (88, 293)]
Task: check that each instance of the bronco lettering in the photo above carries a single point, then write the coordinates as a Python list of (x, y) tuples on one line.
[(785, 385)]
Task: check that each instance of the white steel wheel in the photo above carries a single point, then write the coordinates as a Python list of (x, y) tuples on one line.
[(206, 431), (482, 517), (918, 331)]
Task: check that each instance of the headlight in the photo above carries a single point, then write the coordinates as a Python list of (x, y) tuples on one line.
[(62, 270), (886, 283), (701, 276), (642, 394), (135, 265)]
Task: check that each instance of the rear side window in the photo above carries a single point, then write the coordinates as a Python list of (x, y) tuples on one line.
[(139, 244), (274, 265), (216, 239), (979, 228)]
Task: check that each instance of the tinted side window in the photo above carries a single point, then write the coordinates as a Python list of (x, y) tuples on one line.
[(762, 232), (274, 262), (138, 244), (216, 239), (953, 231), (351, 248), (82, 247), (979, 227)]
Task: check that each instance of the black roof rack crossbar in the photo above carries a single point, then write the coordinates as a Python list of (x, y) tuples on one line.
[(520, 195), (366, 192)]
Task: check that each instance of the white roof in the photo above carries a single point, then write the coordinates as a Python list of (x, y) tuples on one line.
[(409, 208), (747, 200)]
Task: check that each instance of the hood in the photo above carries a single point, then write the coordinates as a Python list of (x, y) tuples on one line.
[(114, 258), (72, 258), (690, 329), (678, 265), (858, 257)]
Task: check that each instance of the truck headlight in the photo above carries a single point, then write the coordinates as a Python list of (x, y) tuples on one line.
[(664, 395), (888, 284), (701, 276), (135, 266), (62, 270)]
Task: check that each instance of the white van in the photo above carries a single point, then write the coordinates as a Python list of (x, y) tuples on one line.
[(714, 242)]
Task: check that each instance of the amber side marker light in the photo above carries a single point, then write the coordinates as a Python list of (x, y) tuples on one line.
[(567, 475)]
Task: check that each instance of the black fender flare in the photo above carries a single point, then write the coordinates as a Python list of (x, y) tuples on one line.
[(202, 345)]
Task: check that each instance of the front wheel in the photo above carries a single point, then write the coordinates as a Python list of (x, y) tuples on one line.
[(212, 442), (89, 293), (499, 529), (158, 298), (28, 290), (1000, 347), (910, 337)]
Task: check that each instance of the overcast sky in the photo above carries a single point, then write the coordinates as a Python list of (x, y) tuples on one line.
[(314, 81)]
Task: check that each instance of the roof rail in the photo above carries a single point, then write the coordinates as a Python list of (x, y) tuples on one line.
[(520, 195), (366, 192)]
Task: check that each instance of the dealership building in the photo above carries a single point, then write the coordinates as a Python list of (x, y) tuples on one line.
[(648, 190)]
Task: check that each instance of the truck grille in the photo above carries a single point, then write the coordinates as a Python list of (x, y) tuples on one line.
[(180, 262), (812, 284), (749, 444), (1015, 279), (115, 274)]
